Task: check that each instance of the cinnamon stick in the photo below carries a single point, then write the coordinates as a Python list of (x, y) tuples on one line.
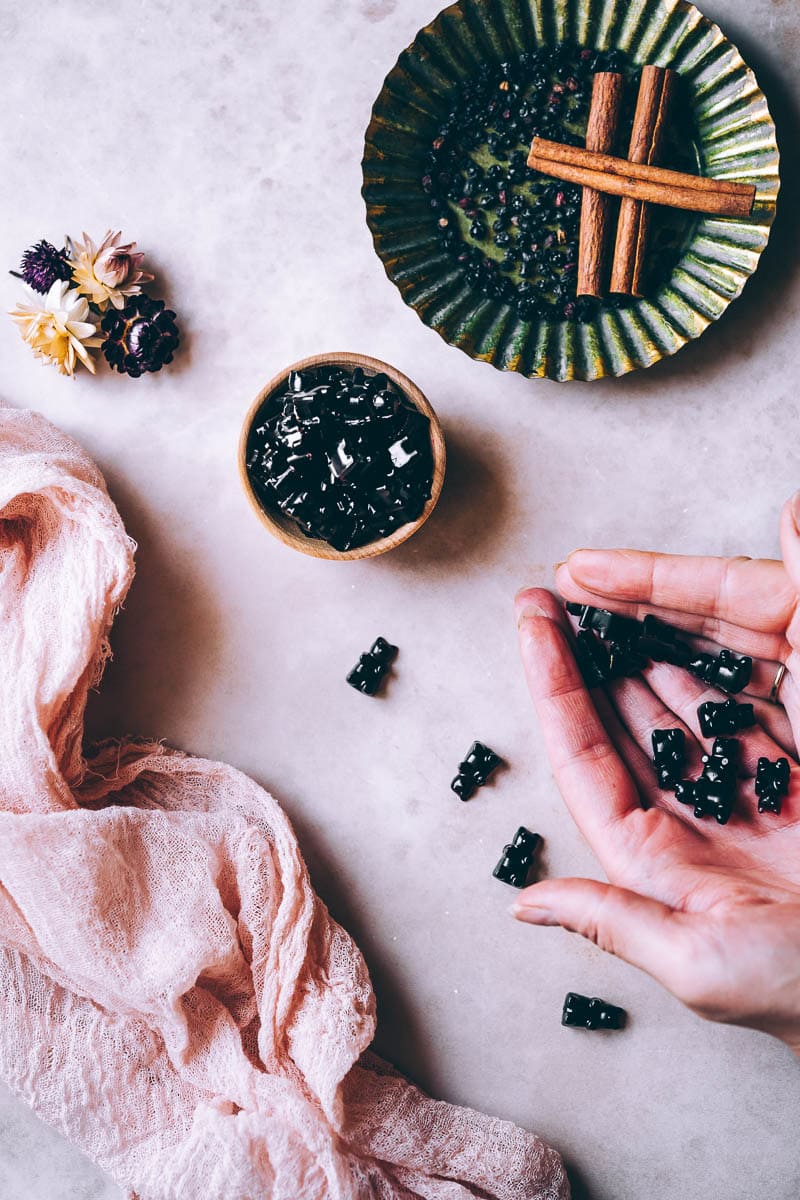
[(601, 133), (647, 139), (656, 185)]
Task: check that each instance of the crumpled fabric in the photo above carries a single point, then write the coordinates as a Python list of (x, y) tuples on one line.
[(174, 997)]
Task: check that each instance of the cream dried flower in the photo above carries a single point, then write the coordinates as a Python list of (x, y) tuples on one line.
[(57, 328), (109, 272)]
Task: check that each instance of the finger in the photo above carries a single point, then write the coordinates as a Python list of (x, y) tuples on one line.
[(752, 593), (771, 716), (790, 541), (644, 932), (724, 633), (597, 789), (789, 697), (684, 694), (775, 721), (634, 757)]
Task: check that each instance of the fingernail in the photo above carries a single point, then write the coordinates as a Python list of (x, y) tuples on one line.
[(527, 612), (528, 597), (533, 914), (591, 567), (795, 507), (557, 566)]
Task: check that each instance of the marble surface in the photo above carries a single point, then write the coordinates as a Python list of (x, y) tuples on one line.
[(226, 137)]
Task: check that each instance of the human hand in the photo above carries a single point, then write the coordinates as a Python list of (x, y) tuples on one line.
[(711, 912)]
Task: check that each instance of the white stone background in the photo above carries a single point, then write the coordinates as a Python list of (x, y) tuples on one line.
[(227, 138)]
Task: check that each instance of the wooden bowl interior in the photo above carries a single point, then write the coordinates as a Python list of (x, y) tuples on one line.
[(283, 527)]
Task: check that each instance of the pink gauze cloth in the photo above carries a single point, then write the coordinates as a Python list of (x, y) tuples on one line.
[(174, 997)]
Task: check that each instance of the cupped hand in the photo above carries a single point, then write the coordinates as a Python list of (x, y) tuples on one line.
[(712, 912)]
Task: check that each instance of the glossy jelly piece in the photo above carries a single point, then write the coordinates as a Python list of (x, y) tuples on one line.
[(660, 643), (727, 717), (343, 453), (370, 671), (609, 627), (719, 768), (592, 659), (726, 747), (464, 786), (479, 762), (669, 756), (714, 793), (691, 792), (624, 661), (383, 652), (708, 799), (733, 671), (584, 1012), (728, 671), (515, 865), (772, 784), (366, 676)]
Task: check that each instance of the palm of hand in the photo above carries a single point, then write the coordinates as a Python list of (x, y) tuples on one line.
[(712, 912)]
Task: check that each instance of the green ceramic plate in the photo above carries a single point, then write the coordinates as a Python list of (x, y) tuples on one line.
[(735, 139)]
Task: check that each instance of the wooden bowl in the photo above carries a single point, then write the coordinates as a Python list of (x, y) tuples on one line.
[(283, 527)]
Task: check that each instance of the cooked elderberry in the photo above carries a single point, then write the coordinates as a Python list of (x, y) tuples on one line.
[(343, 454), (477, 168)]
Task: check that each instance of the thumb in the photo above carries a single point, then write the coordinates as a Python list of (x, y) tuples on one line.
[(644, 932), (790, 539)]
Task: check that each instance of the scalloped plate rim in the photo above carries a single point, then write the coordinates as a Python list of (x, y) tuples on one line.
[(539, 369)]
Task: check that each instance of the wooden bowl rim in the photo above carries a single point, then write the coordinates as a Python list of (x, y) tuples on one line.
[(282, 527)]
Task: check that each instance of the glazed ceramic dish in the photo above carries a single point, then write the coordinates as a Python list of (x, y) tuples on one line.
[(733, 137)]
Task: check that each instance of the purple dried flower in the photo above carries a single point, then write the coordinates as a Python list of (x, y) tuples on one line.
[(42, 265)]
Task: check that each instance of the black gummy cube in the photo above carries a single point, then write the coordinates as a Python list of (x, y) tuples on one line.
[(772, 784), (583, 1012), (515, 865)]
